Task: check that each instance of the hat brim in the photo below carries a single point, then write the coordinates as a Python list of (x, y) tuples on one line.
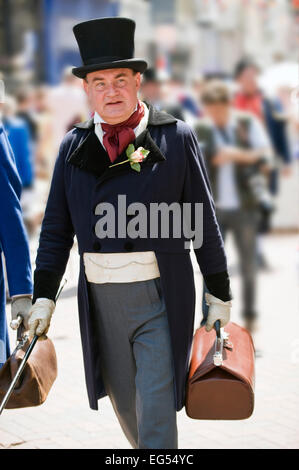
[(136, 64)]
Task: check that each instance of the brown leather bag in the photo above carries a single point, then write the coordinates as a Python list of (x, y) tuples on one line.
[(37, 377), (224, 391)]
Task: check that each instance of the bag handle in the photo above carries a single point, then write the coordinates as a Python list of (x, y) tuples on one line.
[(218, 357), (221, 342), (217, 328)]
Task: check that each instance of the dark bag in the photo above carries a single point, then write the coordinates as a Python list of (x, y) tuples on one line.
[(221, 387), (37, 377)]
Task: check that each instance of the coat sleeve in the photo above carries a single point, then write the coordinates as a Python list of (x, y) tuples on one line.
[(13, 236), (210, 255), (57, 235)]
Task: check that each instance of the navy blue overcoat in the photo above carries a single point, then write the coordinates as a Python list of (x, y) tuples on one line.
[(174, 171), (13, 238)]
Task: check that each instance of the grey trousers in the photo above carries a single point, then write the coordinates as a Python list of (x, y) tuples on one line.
[(136, 360)]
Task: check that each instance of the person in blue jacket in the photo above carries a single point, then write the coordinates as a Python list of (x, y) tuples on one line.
[(13, 245), (19, 138)]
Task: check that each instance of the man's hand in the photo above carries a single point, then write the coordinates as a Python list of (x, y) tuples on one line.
[(238, 155), (225, 155), (20, 305), (218, 310), (40, 317)]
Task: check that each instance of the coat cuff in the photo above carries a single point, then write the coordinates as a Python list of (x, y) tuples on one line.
[(219, 285), (46, 284), (21, 295)]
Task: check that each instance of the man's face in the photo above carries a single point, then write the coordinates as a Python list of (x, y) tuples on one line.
[(151, 91), (112, 93), (248, 80), (218, 112)]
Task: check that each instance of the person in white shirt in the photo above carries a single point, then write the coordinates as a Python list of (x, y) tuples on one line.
[(238, 156)]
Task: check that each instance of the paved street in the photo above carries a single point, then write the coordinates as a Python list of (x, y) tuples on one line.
[(65, 420)]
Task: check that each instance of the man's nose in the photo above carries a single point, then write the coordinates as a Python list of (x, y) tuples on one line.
[(111, 90)]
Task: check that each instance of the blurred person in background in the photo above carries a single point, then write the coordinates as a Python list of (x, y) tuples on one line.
[(151, 92), (19, 137), (44, 159), (197, 85), (237, 152), (25, 111), (23, 149), (180, 93), (289, 97), (67, 104), (45, 149), (14, 250), (270, 111)]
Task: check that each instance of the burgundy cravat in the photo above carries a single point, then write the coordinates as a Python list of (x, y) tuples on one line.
[(118, 136)]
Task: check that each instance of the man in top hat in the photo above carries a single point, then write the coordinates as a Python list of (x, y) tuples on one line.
[(136, 291)]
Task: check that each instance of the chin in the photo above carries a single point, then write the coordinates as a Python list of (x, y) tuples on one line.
[(120, 115), (116, 112)]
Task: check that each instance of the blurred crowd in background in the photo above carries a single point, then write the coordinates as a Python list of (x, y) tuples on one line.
[(229, 68)]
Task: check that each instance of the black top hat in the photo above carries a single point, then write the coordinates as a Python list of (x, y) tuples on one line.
[(106, 43)]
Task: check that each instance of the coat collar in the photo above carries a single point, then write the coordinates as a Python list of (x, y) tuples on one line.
[(91, 156)]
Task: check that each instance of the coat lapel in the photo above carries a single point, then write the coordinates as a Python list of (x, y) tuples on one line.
[(91, 156)]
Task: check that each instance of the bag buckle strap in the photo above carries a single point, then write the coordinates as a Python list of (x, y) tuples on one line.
[(221, 342)]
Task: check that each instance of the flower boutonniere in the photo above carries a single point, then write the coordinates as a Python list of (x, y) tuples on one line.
[(134, 157)]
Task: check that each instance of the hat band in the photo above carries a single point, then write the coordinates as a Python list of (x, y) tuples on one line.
[(103, 60)]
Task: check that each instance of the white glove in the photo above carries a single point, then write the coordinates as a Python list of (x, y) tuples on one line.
[(218, 310), (40, 317), (20, 305)]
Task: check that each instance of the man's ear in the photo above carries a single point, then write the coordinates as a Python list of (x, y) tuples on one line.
[(138, 80), (85, 85)]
